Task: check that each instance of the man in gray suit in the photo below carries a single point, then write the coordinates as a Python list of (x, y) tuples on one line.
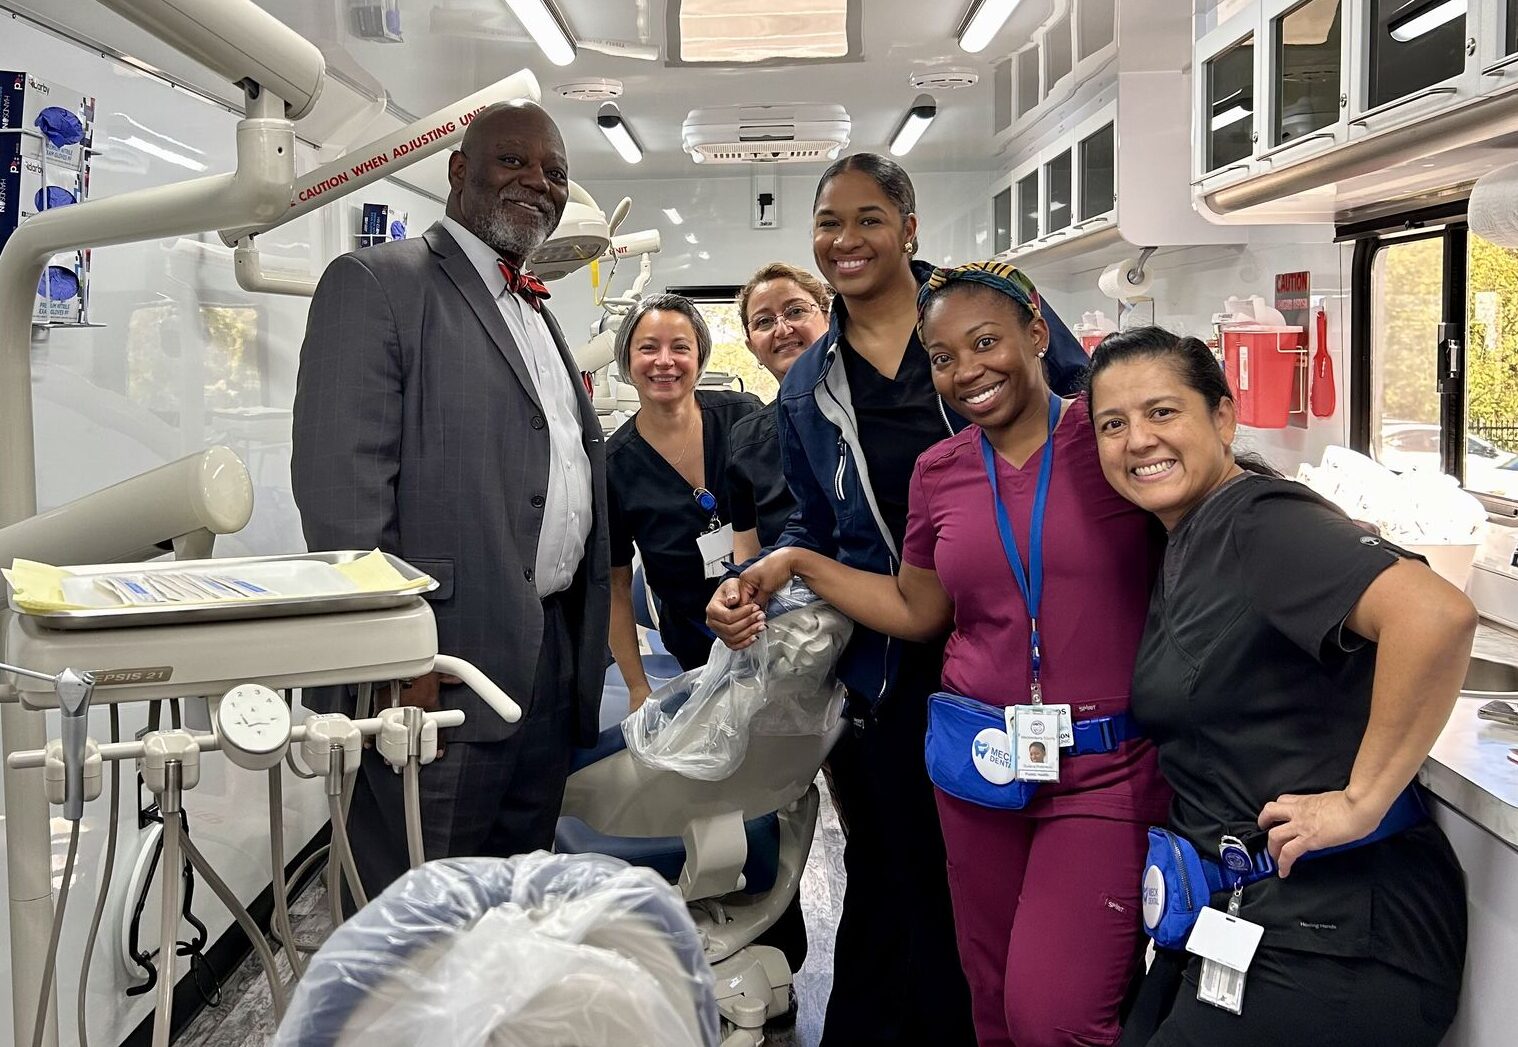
[(439, 416)]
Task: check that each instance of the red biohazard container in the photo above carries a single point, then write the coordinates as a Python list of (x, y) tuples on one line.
[(1261, 363), (1091, 340)]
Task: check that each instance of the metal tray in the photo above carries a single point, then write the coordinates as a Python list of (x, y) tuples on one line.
[(175, 614)]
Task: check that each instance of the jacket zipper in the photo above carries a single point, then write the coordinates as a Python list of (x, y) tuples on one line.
[(944, 414), (1180, 868), (838, 476)]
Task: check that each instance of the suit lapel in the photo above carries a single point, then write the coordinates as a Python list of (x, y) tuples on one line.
[(467, 279)]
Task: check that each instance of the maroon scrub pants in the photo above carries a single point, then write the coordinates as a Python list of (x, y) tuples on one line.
[(1046, 911)]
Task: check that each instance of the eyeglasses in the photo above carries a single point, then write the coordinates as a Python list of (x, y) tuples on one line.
[(793, 315)]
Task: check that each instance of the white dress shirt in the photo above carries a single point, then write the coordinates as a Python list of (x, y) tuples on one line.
[(567, 502)]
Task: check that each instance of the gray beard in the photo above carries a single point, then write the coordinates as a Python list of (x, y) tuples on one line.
[(511, 235)]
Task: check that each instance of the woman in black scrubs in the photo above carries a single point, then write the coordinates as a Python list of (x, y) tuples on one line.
[(1294, 673), (664, 479), (783, 310)]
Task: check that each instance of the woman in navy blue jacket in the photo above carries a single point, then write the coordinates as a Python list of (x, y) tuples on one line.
[(855, 411)]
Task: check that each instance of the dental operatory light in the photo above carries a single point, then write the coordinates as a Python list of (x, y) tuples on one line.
[(673, 216), (923, 110), (983, 23), (610, 121), (546, 28), (1419, 19)]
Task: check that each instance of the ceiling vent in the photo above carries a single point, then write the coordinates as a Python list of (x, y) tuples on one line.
[(766, 134), (590, 89), (944, 79)]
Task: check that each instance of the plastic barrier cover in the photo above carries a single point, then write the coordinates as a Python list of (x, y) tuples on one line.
[(536, 950), (698, 724)]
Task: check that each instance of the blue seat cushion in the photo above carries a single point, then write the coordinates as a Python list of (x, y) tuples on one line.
[(666, 854)]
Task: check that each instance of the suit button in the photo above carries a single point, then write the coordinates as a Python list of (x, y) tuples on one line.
[(537, 501), (527, 573), (537, 421)]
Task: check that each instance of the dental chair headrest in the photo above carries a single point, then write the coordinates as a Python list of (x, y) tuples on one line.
[(540, 950)]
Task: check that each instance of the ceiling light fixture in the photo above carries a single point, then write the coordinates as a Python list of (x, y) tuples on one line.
[(609, 119), (546, 28), (1421, 19), (673, 216), (923, 110), (983, 23)]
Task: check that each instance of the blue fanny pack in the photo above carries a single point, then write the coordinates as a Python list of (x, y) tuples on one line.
[(970, 757), (1179, 882)]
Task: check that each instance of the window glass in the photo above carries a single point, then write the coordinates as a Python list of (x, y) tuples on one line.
[(730, 356), (1027, 80), (1057, 172), (1491, 369), (1307, 69), (1413, 44), (1057, 53), (1001, 216), (1230, 105), (1510, 29), (1027, 208), (1098, 173), (1407, 287), (1095, 20), (1001, 105)]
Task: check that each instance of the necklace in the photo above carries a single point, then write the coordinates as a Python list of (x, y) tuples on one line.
[(685, 444)]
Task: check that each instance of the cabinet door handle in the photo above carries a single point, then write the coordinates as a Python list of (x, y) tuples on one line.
[(1500, 68), (1427, 92), (1219, 174), (1092, 221), (1288, 146)]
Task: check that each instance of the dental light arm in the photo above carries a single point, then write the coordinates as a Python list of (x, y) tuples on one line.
[(209, 493), (239, 40), (600, 350), (389, 153)]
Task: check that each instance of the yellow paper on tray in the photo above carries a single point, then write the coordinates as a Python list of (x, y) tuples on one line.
[(372, 573), (39, 587)]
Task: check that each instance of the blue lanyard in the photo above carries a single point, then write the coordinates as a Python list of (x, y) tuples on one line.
[(1031, 581)]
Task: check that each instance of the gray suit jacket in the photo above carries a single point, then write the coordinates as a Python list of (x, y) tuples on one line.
[(418, 431)]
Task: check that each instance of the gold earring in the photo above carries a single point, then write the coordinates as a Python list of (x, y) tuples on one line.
[(908, 247)]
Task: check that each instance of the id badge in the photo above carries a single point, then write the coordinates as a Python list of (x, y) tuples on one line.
[(1034, 730), (1227, 946), (716, 547)]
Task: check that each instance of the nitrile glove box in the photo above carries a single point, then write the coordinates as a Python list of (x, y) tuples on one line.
[(29, 103)]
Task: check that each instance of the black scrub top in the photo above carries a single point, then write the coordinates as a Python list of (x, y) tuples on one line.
[(1250, 687), (761, 498), (898, 419), (651, 505)]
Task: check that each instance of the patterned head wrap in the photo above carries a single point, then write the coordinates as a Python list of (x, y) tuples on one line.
[(999, 276)]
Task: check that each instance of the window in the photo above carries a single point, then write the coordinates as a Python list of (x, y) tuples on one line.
[(1001, 216), (1057, 175), (1095, 22), (731, 364), (1098, 173), (1440, 356), (1510, 28), (1230, 105), (1058, 57), (1307, 69), (1413, 44), (1027, 80), (1027, 208), (1001, 105), (226, 348)]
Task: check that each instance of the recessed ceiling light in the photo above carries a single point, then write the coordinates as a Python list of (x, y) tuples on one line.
[(984, 22), (610, 121), (923, 110), (545, 27)]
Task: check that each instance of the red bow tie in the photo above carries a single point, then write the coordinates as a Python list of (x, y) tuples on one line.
[(524, 283)]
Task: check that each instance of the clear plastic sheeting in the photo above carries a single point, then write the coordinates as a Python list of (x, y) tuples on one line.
[(698, 724), (540, 950)]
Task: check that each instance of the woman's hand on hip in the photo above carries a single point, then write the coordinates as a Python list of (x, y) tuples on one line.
[(734, 617), (1300, 824)]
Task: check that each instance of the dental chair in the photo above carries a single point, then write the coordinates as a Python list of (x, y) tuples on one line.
[(734, 847), (537, 950)]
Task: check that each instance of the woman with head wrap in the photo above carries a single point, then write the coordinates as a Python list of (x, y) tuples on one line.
[(1015, 542)]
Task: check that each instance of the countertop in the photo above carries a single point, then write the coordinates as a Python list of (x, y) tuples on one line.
[(1468, 767)]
